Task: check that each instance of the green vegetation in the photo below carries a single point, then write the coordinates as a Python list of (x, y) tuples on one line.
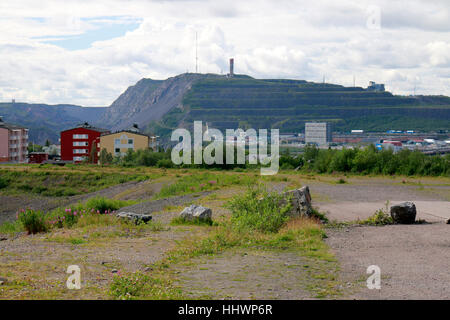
[(33, 221), (62, 183), (369, 160), (195, 221), (259, 210), (203, 182), (379, 218), (141, 286), (94, 211)]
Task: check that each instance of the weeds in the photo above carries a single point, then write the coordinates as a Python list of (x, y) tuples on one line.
[(259, 210), (194, 221), (379, 218), (33, 221), (141, 286), (203, 182)]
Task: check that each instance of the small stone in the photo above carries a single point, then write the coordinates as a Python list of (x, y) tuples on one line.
[(3, 239), (448, 221), (114, 271), (3, 281), (148, 269)]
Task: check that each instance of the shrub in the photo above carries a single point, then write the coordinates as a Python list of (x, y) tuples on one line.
[(3, 183), (164, 163), (33, 221), (104, 205), (259, 210), (380, 217)]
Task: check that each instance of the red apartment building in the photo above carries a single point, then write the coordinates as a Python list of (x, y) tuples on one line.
[(76, 143)]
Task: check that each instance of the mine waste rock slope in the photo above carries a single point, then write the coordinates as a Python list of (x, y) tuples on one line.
[(160, 106), (404, 213), (148, 100), (244, 102)]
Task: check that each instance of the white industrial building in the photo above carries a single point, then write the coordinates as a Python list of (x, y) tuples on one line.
[(318, 133)]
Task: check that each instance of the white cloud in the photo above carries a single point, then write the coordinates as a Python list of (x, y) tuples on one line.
[(269, 39)]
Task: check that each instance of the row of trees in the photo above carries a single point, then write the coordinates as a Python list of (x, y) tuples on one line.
[(369, 160), (148, 158), (366, 160)]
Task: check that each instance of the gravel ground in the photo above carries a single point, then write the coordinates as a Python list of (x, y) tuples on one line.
[(414, 259)]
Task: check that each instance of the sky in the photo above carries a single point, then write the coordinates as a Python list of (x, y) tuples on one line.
[(89, 52)]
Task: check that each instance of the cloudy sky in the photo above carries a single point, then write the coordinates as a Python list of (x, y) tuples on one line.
[(88, 52)]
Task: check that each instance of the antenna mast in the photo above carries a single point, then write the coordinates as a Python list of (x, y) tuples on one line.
[(196, 53)]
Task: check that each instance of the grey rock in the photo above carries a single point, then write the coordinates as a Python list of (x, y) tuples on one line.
[(404, 213), (448, 221), (136, 217), (301, 201), (114, 271), (195, 211)]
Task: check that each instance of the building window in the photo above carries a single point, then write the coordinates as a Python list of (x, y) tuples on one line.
[(79, 158), (130, 141), (79, 151), (117, 141), (80, 136), (80, 144), (117, 150)]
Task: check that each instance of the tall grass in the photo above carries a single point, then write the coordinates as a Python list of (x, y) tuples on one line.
[(257, 209), (203, 182)]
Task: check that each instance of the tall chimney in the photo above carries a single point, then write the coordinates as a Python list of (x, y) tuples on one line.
[(231, 67)]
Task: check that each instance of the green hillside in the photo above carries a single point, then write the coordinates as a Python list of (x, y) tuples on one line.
[(286, 104)]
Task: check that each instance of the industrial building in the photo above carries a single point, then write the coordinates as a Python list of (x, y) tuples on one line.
[(318, 133), (77, 143), (13, 143), (118, 143), (373, 86)]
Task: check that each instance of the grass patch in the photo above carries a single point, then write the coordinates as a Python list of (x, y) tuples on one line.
[(11, 227), (257, 209), (142, 286), (203, 182), (195, 221), (53, 182)]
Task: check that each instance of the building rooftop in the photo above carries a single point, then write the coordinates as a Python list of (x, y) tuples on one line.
[(86, 125), (129, 131)]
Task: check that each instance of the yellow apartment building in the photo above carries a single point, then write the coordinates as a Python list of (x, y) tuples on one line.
[(119, 143)]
